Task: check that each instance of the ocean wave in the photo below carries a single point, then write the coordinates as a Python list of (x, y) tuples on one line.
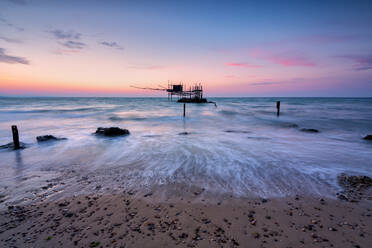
[(229, 112), (49, 110), (129, 118)]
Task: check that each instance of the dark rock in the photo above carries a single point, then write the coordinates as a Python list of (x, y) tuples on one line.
[(111, 131), (237, 131), (342, 197), (64, 204), (10, 146), (48, 137), (68, 214), (234, 242), (368, 137), (183, 236), (309, 130), (358, 182), (354, 187)]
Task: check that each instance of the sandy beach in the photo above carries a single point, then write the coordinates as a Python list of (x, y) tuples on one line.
[(137, 219)]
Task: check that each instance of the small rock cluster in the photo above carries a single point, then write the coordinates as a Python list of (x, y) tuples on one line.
[(111, 131), (354, 187), (48, 138), (310, 130)]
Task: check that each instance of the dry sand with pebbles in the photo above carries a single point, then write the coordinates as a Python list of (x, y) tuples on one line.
[(133, 219)]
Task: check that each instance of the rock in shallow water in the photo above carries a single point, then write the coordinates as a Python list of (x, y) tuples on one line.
[(184, 133), (48, 137), (310, 130), (354, 181), (355, 187), (111, 131), (368, 137), (10, 146)]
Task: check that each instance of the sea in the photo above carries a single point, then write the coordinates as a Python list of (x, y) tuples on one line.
[(239, 147)]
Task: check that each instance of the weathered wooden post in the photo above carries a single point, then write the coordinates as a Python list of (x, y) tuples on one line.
[(15, 137), (277, 108), (184, 109)]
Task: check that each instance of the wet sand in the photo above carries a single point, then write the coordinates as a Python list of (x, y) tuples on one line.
[(130, 219)]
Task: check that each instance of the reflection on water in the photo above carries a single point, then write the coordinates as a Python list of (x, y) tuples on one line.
[(241, 147), (18, 166)]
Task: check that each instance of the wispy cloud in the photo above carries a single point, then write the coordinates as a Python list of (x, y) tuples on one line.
[(19, 2), (65, 35), (283, 58), (291, 60), (361, 62), (4, 58), (240, 64), (9, 24), (68, 38), (264, 83), (112, 45), (73, 44), (66, 51), (9, 40)]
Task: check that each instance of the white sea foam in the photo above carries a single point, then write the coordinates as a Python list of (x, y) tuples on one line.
[(239, 148)]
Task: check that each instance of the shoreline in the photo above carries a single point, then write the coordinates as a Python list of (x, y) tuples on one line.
[(133, 219)]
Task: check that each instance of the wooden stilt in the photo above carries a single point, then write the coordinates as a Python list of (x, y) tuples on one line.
[(15, 137)]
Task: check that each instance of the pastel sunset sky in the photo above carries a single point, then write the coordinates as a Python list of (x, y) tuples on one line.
[(234, 48)]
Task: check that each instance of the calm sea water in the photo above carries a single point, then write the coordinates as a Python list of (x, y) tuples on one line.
[(239, 147)]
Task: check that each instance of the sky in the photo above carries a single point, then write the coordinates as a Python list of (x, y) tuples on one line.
[(234, 48)]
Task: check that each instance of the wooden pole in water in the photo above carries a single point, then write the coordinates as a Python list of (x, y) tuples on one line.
[(184, 109), (277, 108), (15, 137)]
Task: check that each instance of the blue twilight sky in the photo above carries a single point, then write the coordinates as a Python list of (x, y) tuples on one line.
[(235, 48)]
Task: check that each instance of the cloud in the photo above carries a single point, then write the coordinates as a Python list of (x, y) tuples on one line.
[(9, 24), (73, 44), (283, 58), (239, 64), (19, 2), (264, 83), (66, 51), (361, 62), (112, 44), (9, 40), (69, 39), (290, 60), (4, 58), (363, 68), (65, 35)]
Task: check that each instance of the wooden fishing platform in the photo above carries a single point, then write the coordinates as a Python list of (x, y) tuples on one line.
[(192, 95)]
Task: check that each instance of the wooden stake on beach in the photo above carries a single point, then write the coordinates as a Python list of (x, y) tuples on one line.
[(184, 109), (15, 137), (277, 108)]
